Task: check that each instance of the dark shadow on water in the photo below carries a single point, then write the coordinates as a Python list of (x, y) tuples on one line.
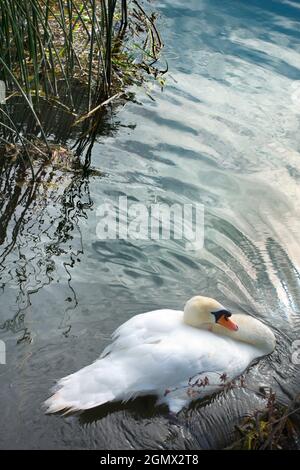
[(139, 408), (61, 125)]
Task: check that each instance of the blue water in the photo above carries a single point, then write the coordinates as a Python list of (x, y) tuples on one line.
[(224, 133)]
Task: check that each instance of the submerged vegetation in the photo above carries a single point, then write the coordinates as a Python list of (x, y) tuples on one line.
[(75, 55), (273, 427), (276, 427)]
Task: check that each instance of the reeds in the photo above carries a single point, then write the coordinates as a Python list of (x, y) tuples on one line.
[(46, 42), (274, 428)]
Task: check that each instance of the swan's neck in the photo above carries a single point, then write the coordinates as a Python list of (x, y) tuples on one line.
[(192, 317), (251, 331)]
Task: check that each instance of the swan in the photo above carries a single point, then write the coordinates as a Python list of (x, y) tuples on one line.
[(179, 356)]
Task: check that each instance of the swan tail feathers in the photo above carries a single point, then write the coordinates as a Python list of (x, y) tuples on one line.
[(89, 387), (65, 402)]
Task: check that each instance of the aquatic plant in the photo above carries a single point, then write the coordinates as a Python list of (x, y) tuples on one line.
[(48, 47), (275, 427)]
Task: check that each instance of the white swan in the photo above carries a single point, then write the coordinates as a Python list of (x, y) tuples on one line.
[(169, 353)]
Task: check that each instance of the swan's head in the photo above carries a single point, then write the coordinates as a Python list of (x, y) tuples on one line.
[(201, 311)]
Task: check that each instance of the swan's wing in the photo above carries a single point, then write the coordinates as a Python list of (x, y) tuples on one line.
[(144, 328), (147, 367), (198, 367), (121, 371), (144, 359)]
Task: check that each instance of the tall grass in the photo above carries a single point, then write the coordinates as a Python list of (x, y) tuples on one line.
[(46, 42)]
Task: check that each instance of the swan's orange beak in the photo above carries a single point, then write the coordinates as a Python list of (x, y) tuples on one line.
[(227, 323)]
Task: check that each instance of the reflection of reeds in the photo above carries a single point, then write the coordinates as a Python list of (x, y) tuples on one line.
[(31, 235), (102, 44)]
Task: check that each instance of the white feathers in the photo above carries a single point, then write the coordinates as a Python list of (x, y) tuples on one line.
[(155, 353)]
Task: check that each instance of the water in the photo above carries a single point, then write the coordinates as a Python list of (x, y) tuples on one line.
[(223, 133)]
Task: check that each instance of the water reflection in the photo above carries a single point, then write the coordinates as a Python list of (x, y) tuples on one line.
[(224, 133), (37, 224)]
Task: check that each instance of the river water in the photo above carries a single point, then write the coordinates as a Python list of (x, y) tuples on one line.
[(224, 133)]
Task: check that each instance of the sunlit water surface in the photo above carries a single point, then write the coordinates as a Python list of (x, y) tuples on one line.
[(223, 133)]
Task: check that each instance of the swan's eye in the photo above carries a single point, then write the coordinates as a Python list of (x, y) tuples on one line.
[(225, 321), (221, 313)]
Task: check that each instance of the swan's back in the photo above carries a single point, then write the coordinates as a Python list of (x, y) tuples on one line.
[(154, 353)]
